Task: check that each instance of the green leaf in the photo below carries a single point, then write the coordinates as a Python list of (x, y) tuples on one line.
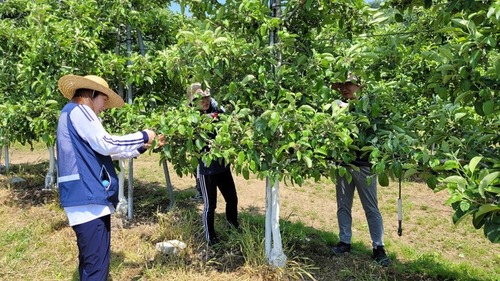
[(459, 215), (487, 180), (220, 40), (464, 206), (490, 41), (410, 172), (308, 161), (488, 107), (383, 179), (182, 129), (478, 106), (49, 102), (247, 79), (432, 182), (308, 4), (473, 163), (308, 108), (246, 173), (462, 96), (456, 179), (478, 221), (492, 228), (398, 17), (241, 157), (487, 208), (445, 67), (378, 20), (450, 165)]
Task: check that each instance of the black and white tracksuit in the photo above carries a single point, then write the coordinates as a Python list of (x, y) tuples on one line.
[(216, 175)]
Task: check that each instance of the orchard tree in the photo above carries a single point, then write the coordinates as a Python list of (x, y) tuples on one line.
[(445, 66), (430, 71)]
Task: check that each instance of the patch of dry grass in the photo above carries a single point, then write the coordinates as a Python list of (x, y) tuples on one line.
[(37, 244)]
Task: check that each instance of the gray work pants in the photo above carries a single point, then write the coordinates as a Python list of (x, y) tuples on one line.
[(368, 195)]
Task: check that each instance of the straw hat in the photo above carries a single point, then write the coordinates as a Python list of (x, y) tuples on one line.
[(68, 84)]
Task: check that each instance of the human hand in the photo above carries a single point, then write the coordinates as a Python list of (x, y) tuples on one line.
[(151, 136), (161, 141)]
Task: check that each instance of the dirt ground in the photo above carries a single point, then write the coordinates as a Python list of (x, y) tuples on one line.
[(426, 222)]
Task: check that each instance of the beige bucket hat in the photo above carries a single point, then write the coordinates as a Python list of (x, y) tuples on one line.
[(68, 84), (195, 89)]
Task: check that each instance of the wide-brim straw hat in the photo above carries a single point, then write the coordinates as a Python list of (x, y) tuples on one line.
[(68, 84)]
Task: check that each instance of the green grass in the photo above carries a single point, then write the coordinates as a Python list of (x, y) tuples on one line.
[(37, 244)]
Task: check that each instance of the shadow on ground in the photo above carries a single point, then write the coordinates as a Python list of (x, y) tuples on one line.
[(304, 246)]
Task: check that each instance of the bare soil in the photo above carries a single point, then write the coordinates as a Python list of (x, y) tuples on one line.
[(427, 224)]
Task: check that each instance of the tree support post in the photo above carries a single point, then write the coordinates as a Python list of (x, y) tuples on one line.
[(50, 179), (130, 192), (168, 184), (121, 208), (7, 160)]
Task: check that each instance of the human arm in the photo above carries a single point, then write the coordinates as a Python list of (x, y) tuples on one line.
[(89, 128)]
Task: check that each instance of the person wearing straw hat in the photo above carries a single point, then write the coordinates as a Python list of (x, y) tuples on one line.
[(365, 181), (87, 180), (217, 174)]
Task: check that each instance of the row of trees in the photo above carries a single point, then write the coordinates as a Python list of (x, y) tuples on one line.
[(430, 71)]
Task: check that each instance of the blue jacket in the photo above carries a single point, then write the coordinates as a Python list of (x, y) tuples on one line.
[(86, 176)]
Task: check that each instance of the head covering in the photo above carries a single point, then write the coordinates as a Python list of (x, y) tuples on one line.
[(68, 84), (195, 89), (351, 77)]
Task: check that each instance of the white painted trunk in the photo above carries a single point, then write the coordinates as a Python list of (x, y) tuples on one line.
[(274, 247)]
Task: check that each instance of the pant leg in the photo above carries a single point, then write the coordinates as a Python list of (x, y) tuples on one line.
[(94, 241), (227, 188), (198, 188), (345, 196), (209, 192), (366, 183)]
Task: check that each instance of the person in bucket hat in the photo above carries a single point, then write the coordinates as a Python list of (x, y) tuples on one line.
[(365, 182), (215, 176), (347, 89), (87, 180), (205, 101)]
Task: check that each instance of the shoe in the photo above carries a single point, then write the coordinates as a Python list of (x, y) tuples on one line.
[(341, 248), (380, 257)]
